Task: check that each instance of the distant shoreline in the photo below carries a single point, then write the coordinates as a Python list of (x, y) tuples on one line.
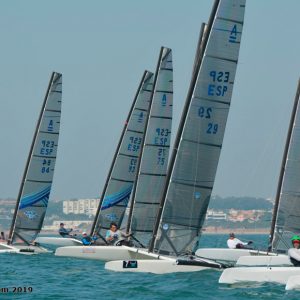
[(219, 230)]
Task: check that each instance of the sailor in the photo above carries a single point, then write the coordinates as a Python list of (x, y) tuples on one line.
[(114, 234), (65, 232), (235, 243), (88, 240), (294, 253)]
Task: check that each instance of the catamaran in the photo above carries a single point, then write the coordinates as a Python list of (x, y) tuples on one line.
[(192, 168), (149, 169), (286, 217), (150, 176), (36, 184)]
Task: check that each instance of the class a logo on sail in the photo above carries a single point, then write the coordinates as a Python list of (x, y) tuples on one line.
[(50, 125), (233, 34), (30, 214), (141, 117)]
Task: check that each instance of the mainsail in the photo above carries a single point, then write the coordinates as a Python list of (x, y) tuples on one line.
[(286, 215), (121, 177), (155, 152), (199, 139), (36, 184)]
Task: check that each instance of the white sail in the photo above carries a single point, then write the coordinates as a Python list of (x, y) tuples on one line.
[(199, 140), (37, 180), (121, 177), (155, 152)]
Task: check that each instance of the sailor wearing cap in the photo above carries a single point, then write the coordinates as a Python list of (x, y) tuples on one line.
[(294, 253)]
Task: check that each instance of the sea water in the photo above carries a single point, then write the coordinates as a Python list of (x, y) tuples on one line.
[(46, 276)]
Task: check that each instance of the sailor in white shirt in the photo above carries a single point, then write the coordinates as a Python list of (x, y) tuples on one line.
[(294, 253), (235, 243)]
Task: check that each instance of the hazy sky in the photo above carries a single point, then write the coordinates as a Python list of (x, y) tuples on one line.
[(103, 47)]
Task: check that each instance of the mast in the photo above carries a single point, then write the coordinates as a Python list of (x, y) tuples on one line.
[(182, 122), (57, 75), (283, 166)]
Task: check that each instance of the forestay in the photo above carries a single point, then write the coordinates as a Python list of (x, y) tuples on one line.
[(287, 208), (199, 140), (37, 179), (121, 177), (155, 152)]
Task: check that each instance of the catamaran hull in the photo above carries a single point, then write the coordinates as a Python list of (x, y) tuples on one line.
[(58, 241), (31, 249), (103, 253), (22, 249), (293, 283), (155, 266), (258, 274), (227, 255), (162, 264), (268, 260), (4, 248)]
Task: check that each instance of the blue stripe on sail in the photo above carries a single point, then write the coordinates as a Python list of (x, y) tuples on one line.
[(114, 199), (42, 195)]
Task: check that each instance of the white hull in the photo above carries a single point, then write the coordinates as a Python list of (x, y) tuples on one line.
[(226, 254), (158, 264), (4, 248), (293, 283), (268, 260), (22, 249), (104, 253), (258, 274), (58, 241), (155, 266)]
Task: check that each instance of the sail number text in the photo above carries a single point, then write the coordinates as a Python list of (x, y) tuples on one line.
[(162, 135), (206, 112), (46, 166), (47, 147), (132, 165), (219, 87), (161, 156), (134, 144)]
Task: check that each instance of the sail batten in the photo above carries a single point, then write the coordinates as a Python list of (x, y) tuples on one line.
[(121, 177), (122, 180), (213, 100), (222, 58), (38, 175)]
